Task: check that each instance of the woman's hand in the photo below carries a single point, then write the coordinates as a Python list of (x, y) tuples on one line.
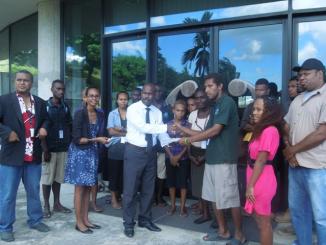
[(102, 140), (83, 141), (250, 194)]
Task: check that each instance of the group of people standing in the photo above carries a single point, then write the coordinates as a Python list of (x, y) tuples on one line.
[(150, 142)]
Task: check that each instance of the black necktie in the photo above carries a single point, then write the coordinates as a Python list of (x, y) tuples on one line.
[(148, 137)]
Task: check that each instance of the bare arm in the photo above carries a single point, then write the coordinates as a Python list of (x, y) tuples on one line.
[(310, 141), (207, 134), (258, 169), (117, 131)]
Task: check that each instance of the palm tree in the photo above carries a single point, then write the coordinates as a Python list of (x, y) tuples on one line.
[(200, 52)]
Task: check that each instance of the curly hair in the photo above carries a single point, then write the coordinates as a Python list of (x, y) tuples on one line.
[(272, 116)]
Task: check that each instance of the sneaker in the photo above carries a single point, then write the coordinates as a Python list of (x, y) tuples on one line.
[(283, 218), (7, 236), (41, 227)]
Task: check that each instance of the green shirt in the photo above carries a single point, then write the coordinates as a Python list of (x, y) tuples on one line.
[(223, 148)]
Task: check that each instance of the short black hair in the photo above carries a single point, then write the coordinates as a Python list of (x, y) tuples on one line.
[(262, 81), (25, 72), (122, 92), (57, 81), (217, 78), (89, 88), (293, 78)]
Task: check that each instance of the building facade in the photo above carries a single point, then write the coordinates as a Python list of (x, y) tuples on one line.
[(119, 45)]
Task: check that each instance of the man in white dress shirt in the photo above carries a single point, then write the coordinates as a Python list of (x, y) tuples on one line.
[(144, 124)]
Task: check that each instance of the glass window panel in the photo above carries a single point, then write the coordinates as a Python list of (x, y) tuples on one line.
[(82, 48), (175, 12), (128, 65), (308, 4), (311, 40), (23, 48), (133, 17), (178, 63), (4, 61), (250, 57)]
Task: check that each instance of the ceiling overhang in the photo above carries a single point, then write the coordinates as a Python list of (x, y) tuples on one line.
[(14, 10)]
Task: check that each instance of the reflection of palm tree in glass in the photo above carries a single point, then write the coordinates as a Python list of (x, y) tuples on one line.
[(200, 52)]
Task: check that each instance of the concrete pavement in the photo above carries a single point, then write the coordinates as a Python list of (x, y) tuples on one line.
[(63, 232)]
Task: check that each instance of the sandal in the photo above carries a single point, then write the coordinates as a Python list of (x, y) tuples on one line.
[(195, 205), (171, 211), (116, 206), (62, 209), (184, 213), (235, 241), (215, 237), (201, 220), (196, 212), (97, 209), (47, 213)]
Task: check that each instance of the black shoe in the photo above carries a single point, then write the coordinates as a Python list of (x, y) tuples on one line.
[(87, 231), (94, 226), (129, 232), (150, 226)]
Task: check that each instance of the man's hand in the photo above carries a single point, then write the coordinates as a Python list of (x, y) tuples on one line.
[(293, 162), (13, 137), (47, 156), (289, 153), (42, 133)]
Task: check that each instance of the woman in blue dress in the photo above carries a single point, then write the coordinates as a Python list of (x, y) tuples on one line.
[(83, 157)]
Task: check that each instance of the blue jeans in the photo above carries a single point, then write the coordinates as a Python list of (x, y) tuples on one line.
[(10, 177), (307, 202)]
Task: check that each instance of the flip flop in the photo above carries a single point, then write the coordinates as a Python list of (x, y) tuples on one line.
[(47, 213), (97, 210), (235, 241), (62, 209), (215, 237), (196, 212), (201, 220), (171, 211)]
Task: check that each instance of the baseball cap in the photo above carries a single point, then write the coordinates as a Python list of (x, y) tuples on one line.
[(310, 64)]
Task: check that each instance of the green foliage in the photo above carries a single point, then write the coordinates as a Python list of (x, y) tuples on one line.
[(167, 76), (128, 71), (88, 46)]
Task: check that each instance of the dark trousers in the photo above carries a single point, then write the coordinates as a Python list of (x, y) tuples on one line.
[(115, 174), (139, 173)]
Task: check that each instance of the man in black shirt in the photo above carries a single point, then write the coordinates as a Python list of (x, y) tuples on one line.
[(55, 148)]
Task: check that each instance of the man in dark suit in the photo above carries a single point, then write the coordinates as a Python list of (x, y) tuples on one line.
[(23, 120)]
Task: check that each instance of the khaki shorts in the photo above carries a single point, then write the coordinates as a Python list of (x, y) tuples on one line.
[(161, 168), (220, 185), (55, 169)]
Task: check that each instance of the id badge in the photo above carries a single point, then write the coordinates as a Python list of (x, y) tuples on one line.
[(203, 144), (60, 134), (32, 132)]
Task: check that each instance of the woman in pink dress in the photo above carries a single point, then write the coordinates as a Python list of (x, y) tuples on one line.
[(261, 180)]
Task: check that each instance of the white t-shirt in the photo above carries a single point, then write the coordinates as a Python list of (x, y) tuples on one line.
[(198, 124)]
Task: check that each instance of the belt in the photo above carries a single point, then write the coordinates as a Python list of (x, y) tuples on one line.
[(145, 148), (251, 162)]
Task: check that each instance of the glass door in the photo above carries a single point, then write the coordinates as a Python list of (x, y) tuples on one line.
[(128, 65), (250, 53)]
